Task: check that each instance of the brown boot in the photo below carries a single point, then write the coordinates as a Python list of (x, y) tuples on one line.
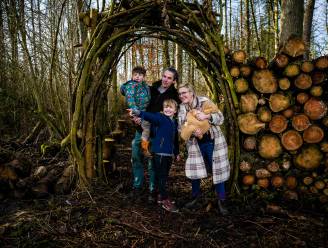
[(145, 148)]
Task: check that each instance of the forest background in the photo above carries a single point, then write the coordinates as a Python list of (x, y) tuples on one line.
[(41, 43)]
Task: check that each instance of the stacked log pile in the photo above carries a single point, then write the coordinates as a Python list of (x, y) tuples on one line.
[(22, 178), (283, 120)]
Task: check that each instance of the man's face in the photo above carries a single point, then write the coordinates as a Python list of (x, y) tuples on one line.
[(167, 79), (138, 77)]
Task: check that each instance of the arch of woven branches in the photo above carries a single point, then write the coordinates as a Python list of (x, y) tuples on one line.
[(193, 26)]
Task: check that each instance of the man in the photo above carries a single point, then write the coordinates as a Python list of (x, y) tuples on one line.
[(160, 91)]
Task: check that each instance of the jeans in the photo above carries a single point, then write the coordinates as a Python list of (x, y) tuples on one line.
[(162, 166), (138, 167), (207, 153)]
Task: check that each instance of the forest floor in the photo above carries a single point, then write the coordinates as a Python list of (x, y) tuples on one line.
[(104, 217)]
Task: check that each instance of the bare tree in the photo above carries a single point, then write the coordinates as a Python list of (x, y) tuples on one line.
[(307, 25), (292, 12)]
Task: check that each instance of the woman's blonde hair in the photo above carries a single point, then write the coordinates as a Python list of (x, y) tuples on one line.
[(188, 86)]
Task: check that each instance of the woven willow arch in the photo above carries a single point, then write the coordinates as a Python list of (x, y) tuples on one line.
[(192, 26)]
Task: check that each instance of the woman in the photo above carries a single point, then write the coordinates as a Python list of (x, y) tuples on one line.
[(207, 150)]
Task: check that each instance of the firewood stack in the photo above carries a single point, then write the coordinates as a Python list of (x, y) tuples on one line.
[(283, 122)]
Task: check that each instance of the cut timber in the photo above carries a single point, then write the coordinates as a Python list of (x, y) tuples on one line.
[(108, 148), (303, 81), (291, 140), (278, 102), (269, 147), (318, 77), (284, 83), (315, 109), (322, 62), (290, 195), (239, 56), (325, 121), (249, 124), (307, 66), (248, 102), (278, 124), (245, 70), (316, 91), (264, 114), (281, 60), (262, 173), (291, 182), (292, 70), (302, 97), (273, 167), (313, 134), (249, 143), (234, 71), (294, 47), (300, 122), (309, 158), (260, 63), (288, 113), (241, 85), (263, 183), (117, 135), (248, 180), (245, 166), (324, 146), (264, 81), (277, 181)]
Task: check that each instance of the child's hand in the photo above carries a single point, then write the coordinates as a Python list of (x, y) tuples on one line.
[(178, 158), (130, 112)]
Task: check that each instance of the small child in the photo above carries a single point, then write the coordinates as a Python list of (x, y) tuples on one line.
[(165, 147), (137, 96)]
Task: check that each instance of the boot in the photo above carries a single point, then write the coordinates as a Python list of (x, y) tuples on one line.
[(145, 148), (222, 209)]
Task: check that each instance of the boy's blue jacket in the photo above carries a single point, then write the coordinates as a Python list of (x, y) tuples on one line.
[(165, 139)]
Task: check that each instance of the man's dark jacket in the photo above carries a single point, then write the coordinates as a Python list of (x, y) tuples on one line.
[(157, 98)]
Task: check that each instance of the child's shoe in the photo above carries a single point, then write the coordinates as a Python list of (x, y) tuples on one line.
[(169, 206), (145, 148)]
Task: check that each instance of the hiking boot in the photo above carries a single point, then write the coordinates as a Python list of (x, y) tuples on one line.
[(152, 198), (160, 200), (194, 203), (222, 209), (169, 206), (145, 148)]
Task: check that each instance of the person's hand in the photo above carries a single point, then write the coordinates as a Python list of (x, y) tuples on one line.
[(130, 112), (178, 158), (202, 116), (198, 133), (136, 120)]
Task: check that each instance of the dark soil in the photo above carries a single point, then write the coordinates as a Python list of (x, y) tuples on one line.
[(104, 217)]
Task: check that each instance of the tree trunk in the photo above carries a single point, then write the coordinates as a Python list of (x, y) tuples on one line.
[(178, 58), (3, 74), (307, 26), (166, 54), (292, 12)]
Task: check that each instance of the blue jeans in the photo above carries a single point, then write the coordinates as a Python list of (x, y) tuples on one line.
[(138, 167), (207, 153)]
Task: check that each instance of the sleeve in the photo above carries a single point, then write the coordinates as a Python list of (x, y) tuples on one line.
[(153, 118), (176, 142), (217, 118), (129, 95)]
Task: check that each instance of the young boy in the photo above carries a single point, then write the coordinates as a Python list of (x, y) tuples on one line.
[(164, 146), (137, 96)]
